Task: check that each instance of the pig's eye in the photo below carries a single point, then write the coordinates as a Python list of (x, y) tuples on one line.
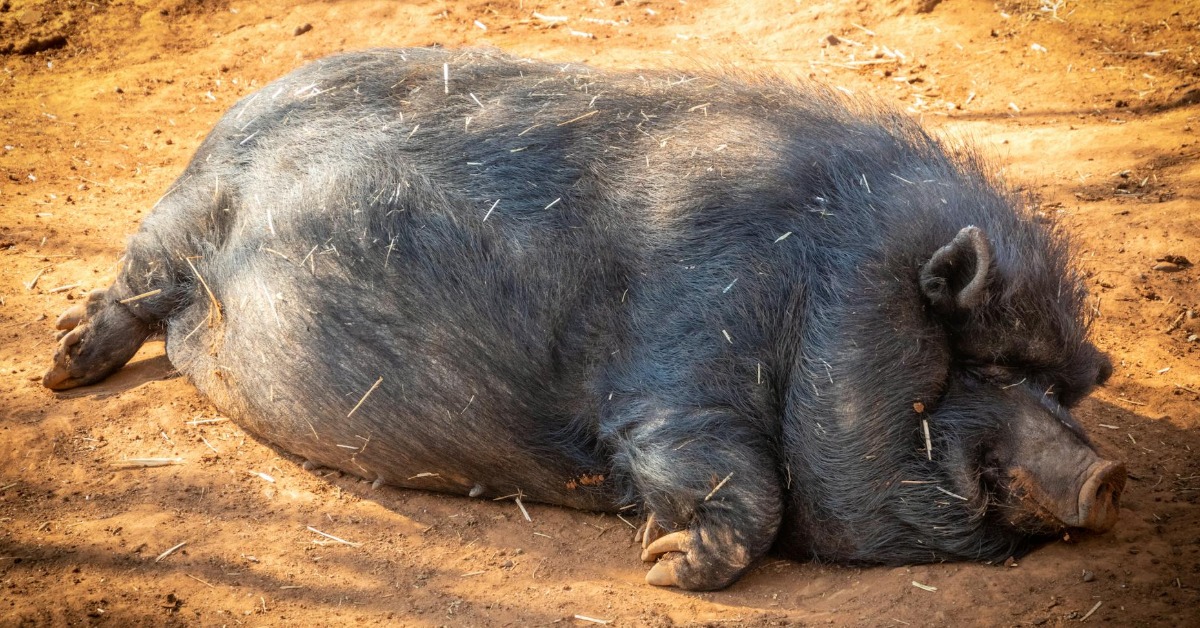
[(998, 375)]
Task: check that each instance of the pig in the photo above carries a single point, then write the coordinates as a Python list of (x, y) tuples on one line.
[(768, 316)]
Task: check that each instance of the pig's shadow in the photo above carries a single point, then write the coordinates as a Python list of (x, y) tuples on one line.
[(774, 573), (134, 374)]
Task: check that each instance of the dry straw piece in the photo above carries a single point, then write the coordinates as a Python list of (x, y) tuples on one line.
[(140, 463)]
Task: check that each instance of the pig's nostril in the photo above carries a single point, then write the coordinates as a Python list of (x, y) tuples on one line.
[(1099, 501), (1106, 495)]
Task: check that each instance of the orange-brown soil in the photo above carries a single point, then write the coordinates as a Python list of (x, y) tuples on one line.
[(1091, 107)]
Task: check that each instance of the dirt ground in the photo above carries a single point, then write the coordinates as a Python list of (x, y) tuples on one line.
[(1091, 106)]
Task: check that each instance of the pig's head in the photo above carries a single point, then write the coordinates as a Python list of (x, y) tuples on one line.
[(985, 347), (1019, 362)]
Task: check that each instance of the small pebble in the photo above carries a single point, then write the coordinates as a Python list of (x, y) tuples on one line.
[(1166, 267), (1088, 576), (303, 28)]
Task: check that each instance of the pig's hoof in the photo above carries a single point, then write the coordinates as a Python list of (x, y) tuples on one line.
[(76, 314), (700, 559), (71, 317), (663, 573), (66, 372), (100, 338), (648, 532)]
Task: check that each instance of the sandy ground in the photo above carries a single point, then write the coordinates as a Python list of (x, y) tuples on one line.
[(1090, 106)]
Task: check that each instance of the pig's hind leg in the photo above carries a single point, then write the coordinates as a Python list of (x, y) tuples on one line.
[(100, 337), (102, 334), (710, 489)]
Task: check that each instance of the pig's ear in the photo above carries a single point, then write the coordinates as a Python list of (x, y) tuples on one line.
[(956, 277)]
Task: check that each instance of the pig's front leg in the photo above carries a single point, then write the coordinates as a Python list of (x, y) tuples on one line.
[(710, 484)]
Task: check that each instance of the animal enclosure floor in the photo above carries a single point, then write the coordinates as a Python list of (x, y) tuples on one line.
[(1093, 108)]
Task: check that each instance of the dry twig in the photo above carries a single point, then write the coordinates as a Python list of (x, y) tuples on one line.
[(33, 282), (717, 487), (365, 395), (333, 538), (169, 552), (139, 297), (139, 463)]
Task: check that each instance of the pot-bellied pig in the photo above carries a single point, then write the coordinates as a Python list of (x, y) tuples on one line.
[(769, 316)]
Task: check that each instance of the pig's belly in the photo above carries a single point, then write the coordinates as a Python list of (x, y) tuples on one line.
[(344, 384)]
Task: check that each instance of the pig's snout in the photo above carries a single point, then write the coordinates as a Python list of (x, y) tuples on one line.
[(1100, 496), (1090, 499)]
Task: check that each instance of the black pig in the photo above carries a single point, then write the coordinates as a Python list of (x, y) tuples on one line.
[(766, 315)]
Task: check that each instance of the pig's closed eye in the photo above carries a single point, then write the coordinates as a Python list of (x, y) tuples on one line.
[(997, 375)]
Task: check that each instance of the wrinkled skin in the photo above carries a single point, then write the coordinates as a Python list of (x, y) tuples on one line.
[(765, 316)]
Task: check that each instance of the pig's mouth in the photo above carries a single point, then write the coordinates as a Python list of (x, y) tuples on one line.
[(1091, 502)]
